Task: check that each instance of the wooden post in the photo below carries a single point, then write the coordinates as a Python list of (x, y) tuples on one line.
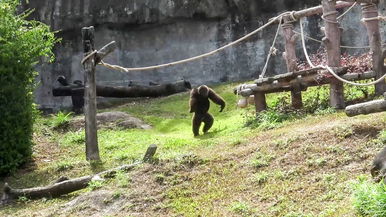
[(290, 58), (332, 43), (260, 103), (150, 152), (92, 150), (372, 26)]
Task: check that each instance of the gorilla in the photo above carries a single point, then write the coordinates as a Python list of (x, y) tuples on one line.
[(199, 104)]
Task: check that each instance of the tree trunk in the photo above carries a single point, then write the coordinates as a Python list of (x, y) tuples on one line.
[(123, 92), (332, 42), (367, 107), (65, 185), (372, 26), (92, 150), (290, 58)]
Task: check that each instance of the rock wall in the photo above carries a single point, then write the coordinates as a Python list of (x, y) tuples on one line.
[(150, 32)]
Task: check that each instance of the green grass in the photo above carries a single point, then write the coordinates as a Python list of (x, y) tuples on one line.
[(232, 130), (370, 198)]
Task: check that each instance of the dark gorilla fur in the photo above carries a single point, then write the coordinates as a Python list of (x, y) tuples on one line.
[(199, 104), (378, 169)]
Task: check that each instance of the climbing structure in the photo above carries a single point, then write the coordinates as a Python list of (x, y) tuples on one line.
[(297, 81)]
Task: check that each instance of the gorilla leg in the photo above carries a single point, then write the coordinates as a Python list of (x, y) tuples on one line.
[(208, 120), (196, 122)]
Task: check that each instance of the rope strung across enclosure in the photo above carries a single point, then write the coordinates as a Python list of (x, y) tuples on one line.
[(348, 10), (272, 50), (320, 41), (124, 69), (329, 69)]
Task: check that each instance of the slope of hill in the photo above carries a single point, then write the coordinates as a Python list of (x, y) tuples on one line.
[(287, 164)]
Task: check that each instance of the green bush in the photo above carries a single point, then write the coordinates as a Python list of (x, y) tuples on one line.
[(370, 198), (22, 44)]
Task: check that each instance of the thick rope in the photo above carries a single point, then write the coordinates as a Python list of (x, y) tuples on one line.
[(324, 17), (272, 50), (349, 9), (381, 18), (319, 41), (329, 69), (88, 56), (116, 67)]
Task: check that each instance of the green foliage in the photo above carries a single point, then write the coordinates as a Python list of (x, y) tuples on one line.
[(61, 120), (241, 208), (22, 43), (370, 198), (268, 119), (95, 184)]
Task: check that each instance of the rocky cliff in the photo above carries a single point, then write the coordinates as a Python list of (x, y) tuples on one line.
[(151, 32)]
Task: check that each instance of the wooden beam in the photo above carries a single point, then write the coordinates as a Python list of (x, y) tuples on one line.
[(364, 1), (332, 43), (305, 82), (372, 26), (290, 58), (260, 101), (316, 10), (92, 150), (366, 108)]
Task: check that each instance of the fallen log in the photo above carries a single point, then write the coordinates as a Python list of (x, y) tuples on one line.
[(65, 185), (125, 92), (367, 107)]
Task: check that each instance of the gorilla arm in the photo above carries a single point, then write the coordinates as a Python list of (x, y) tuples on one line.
[(193, 100), (216, 98)]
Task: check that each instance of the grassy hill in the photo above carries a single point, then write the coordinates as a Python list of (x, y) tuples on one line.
[(288, 163)]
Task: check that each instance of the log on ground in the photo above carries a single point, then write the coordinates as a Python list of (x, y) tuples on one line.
[(65, 186), (126, 92), (367, 107)]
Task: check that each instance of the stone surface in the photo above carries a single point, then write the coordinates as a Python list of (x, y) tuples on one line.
[(152, 32)]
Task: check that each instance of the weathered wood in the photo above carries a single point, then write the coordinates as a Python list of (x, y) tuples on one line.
[(291, 75), (332, 43), (150, 152), (304, 82), (92, 150), (260, 103), (372, 26), (60, 188), (316, 10), (124, 92), (104, 51), (290, 58), (64, 185), (366, 108), (363, 1)]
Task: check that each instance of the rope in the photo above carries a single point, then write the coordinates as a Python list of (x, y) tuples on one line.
[(88, 56), (324, 17), (382, 18), (349, 9), (342, 46), (329, 69), (116, 67), (272, 50)]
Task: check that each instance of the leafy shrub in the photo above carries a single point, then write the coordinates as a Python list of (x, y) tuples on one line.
[(268, 119), (22, 43), (61, 120), (370, 198)]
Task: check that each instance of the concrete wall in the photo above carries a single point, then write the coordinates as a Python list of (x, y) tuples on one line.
[(152, 32)]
